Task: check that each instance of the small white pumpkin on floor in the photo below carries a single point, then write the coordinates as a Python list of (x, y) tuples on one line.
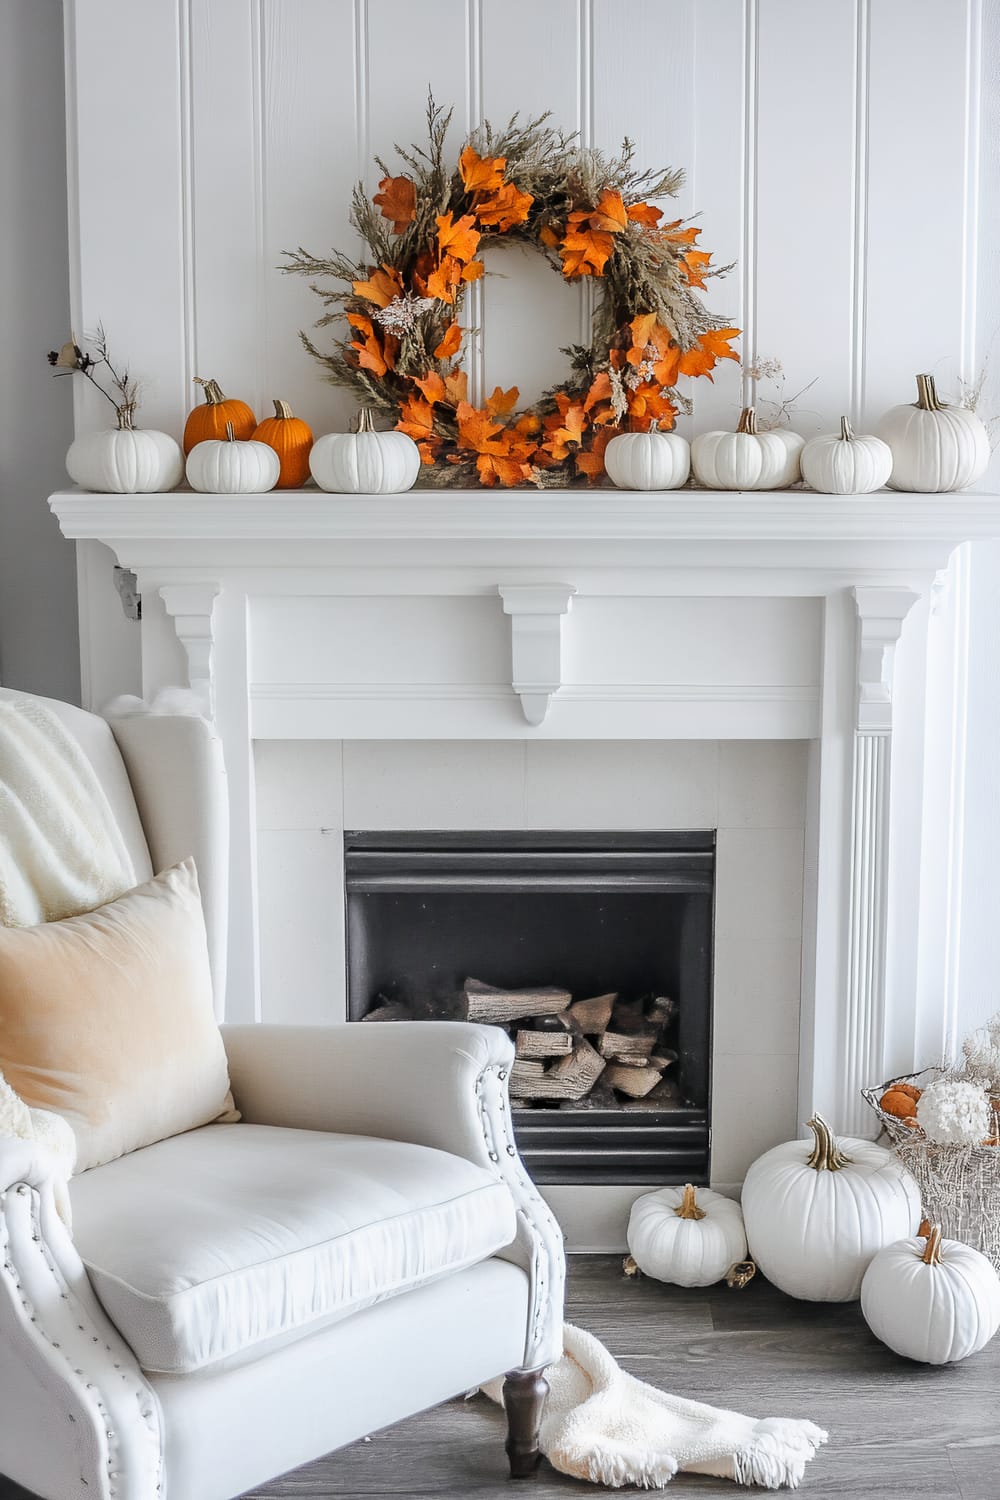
[(747, 459), (365, 462), (933, 1300), (838, 463), (232, 468), (816, 1212), (650, 460), (687, 1236), (935, 448)]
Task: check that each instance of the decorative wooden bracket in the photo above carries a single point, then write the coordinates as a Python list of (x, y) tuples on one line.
[(190, 605), (881, 612), (536, 611)]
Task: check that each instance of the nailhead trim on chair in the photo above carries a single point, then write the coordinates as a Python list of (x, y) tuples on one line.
[(147, 1410), (536, 1218)]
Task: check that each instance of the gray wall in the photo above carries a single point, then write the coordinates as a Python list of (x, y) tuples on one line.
[(38, 622)]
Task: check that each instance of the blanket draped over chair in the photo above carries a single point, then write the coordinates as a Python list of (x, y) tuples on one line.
[(61, 852), (604, 1425)]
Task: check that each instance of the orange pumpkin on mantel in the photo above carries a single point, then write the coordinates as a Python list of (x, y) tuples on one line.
[(207, 423), (291, 440)]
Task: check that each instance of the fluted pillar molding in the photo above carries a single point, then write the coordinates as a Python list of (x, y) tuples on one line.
[(880, 616)]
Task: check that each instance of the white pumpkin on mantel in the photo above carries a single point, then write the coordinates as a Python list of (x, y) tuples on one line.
[(935, 448), (932, 1300), (650, 460), (230, 467), (816, 1212), (747, 459), (838, 463), (365, 462), (126, 461), (687, 1236)]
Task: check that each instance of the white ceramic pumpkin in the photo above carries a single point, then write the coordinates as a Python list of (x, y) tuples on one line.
[(838, 463), (817, 1211), (687, 1236), (747, 459), (650, 460), (232, 468), (934, 447), (933, 1300), (127, 461), (365, 462)]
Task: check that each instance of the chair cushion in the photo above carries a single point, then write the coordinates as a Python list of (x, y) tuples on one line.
[(211, 1243)]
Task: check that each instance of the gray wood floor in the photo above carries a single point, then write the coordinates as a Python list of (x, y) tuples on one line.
[(897, 1430)]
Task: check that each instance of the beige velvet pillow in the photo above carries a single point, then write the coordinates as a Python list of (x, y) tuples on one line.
[(107, 1019)]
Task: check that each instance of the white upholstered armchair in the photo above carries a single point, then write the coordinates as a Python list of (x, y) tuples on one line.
[(239, 1299)]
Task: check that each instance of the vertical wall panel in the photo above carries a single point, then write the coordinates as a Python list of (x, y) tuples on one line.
[(916, 193), (308, 111), (803, 256)]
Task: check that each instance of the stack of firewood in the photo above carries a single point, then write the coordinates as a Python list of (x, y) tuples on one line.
[(564, 1046)]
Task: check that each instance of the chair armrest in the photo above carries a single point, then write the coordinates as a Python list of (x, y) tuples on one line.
[(70, 1382), (433, 1083)]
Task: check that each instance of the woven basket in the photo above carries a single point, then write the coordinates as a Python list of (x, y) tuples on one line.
[(959, 1185)]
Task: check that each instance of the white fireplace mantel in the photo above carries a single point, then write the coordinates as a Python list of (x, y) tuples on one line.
[(695, 615)]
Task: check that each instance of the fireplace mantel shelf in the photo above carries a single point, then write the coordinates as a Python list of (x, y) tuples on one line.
[(525, 515)]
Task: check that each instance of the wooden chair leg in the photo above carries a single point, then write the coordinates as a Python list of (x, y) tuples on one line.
[(524, 1393)]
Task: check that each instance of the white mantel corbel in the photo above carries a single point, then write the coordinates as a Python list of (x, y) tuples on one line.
[(536, 612), (191, 607), (880, 616)]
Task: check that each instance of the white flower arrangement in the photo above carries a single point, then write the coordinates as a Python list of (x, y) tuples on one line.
[(954, 1112)]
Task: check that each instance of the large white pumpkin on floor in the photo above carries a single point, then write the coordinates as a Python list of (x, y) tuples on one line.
[(650, 460), (126, 461), (687, 1236), (934, 447), (817, 1211), (747, 459), (933, 1300), (230, 467), (365, 462), (838, 463)]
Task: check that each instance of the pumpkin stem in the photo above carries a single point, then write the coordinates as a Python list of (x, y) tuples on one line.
[(748, 421), (927, 399), (826, 1156), (230, 434), (846, 431), (932, 1250), (689, 1204), (212, 389), (365, 422), (282, 409), (654, 425), (125, 414)]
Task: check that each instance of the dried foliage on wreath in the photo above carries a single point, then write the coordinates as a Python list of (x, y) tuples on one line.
[(589, 216)]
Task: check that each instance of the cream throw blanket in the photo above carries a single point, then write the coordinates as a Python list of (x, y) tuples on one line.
[(61, 852), (604, 1425)]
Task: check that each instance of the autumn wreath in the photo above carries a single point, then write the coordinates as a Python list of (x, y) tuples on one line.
[(589, 216)]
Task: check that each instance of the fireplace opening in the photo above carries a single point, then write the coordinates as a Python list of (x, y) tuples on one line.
[(593, 950)]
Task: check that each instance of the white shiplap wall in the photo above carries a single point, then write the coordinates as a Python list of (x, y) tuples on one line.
[(840, 152)]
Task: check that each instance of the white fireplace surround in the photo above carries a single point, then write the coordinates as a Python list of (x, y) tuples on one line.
[(599, 616)]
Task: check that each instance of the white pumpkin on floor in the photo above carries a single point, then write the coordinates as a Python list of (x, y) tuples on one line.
[(818, 1211), (687, 1236), (932, 1300)]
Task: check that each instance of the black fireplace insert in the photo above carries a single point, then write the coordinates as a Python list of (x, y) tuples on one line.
[(524, 927)]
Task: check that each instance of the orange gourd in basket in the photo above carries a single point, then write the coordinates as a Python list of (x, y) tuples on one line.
[(901, 1101), (207, 423), (291, 440)]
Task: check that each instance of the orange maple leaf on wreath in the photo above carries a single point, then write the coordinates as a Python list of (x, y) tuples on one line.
[(416, 419), (501, 210), (641, 329), (481, 174), (457, 237), (501, 454), (609, 214), (565, 428), (678, 236), (372, 354), (591, 460), (695, 263), (584, 251), (430, 386), (380, 288), (711, 347), (397, 201), (646, 404), (451, 342), (502, 402), (644, 213), (456, 387)]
